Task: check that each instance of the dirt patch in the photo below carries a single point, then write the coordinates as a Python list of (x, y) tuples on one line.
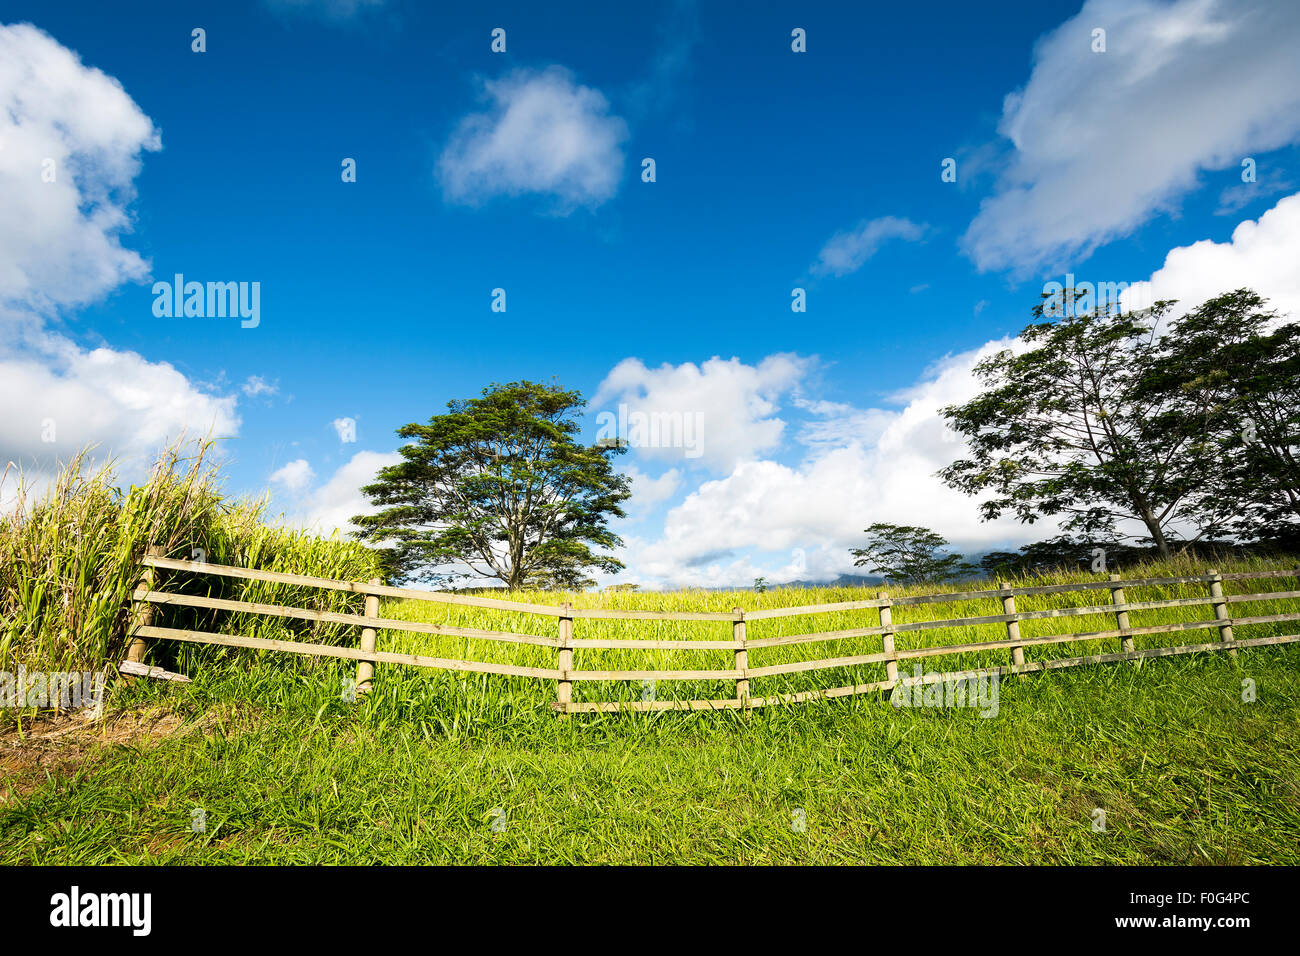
[(60, 745)]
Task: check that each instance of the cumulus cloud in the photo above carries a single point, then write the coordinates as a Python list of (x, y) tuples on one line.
[(331, 506), (864, 465), (71, 142), (295, 476), (118, 400), (715, 414), (797, 521), (648, 492), (60, 247), (544, 134), (1103, 141), (1261, 255), (848, 251)]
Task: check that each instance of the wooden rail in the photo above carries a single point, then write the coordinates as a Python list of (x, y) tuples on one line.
[(147, 599)]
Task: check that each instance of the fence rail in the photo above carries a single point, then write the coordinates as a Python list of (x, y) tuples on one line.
[(147, 599)]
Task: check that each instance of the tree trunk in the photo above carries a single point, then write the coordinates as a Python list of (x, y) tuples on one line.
[(1157, 533)]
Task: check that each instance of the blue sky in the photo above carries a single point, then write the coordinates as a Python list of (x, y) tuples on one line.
[(521, 170)]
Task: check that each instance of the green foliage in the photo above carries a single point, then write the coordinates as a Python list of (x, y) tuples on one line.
[(1231, 362), (1066, 426), (1106, 419), (501, 487), (909, 553), (69, 561)]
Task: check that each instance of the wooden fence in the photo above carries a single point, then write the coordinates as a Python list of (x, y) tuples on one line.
[(564, 642)]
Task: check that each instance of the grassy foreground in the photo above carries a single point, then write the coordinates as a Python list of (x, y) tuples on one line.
[(285, 772), (1193, 759)]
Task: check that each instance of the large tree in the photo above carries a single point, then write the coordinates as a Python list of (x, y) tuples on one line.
[(1067, 426), (1233, 360), (499, 487)]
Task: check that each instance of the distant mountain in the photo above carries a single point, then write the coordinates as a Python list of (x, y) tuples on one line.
[(843, 581)]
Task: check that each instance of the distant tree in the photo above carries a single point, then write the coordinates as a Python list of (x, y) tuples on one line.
[(1000, 563), (1063, 553), (1068, 554), (909, 553), (1233, 362), (1068, 426), (499, 486), (760, 584)]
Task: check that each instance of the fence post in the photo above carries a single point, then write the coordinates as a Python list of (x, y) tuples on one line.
[(1013, 627), (369, 641), (742, 657), (564, 659), (887, 639), (1221, 610), (1121, 617), (142, 611)]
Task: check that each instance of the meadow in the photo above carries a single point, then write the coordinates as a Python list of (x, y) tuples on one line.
[(448, 771), (1183, 760)]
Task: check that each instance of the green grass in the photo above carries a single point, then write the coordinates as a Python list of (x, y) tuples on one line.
[(595, 659), (287, 773), (1186, 770), (69, 559)]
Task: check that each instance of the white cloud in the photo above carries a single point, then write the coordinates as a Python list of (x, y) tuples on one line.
[(295, 476), (345, 428), (847, 251), (798, 521), (811, 513), (332, 506), (733, 404), (1262, 255), (1103, 141), (119, 400), (544, 134), (837, 424), (648, 492), (59, 241), (60, 248), (256, 385)]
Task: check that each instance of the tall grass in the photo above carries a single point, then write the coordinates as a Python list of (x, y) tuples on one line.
[(69, 562), (1188, 768), (406, 682), (69, 559)]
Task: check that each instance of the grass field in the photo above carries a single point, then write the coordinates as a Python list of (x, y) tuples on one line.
[(441, 767)]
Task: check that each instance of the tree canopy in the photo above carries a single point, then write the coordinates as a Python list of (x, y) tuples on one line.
[(909, 553), (1233, 362), (499, 487), (1068, 425), (1187, 428)]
